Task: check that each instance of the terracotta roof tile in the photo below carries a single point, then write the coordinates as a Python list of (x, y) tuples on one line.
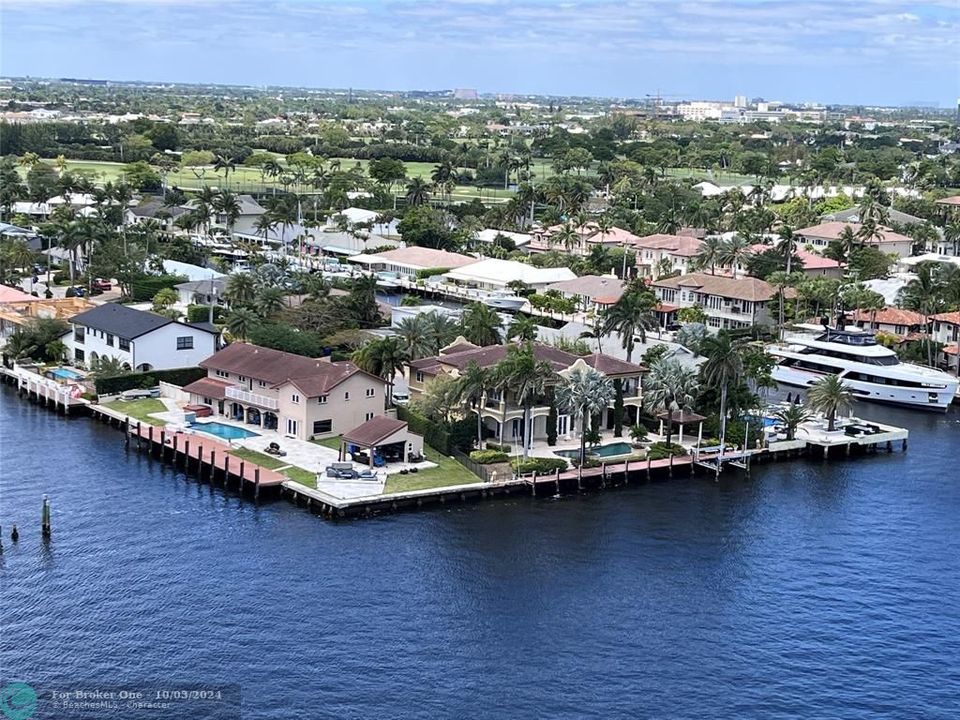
[(374, 431)]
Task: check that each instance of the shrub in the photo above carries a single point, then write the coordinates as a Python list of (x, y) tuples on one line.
[(201, 313), (538, 465), (660, 451), (501, 448), (485, 457), (143, 289), (141, 380), (639, 433), (588, 462), (430, 272)]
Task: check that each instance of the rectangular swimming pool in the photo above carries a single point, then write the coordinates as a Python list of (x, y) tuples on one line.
[(62, 373), (223, 431)]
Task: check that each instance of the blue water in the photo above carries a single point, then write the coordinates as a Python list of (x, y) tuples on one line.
[(222, 430), (804, 591), (604, 451), (65, 374)]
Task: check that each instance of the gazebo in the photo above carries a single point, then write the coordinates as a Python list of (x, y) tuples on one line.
[(681, 418), (383, 437)]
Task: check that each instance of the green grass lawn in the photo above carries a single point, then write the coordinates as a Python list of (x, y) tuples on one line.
[(332, 443), (447, 472), (304, 477), (139, 409), (262, 459)]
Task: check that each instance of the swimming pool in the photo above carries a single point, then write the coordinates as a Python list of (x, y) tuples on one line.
[(62, 373), (220, 430), (604, 451)]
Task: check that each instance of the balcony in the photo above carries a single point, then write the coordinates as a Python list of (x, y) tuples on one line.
[(235, 393)]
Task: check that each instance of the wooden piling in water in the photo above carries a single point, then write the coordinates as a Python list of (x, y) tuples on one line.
[(213, 464)]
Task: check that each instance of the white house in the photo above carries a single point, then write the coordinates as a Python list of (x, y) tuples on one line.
[(495, 274), (139, 340)]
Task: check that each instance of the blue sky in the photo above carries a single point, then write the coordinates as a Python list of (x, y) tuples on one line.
[(855, 51)]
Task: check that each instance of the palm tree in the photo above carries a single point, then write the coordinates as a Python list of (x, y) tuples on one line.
[(951, 233), (584, 393), (723, 369), (830, 396), (240, 290), (471, 386), (55, 350), (384, 357), (241, 321), (227, 204), (709, 254), (523, 328), (418, 192), (924, 294), (480, 324), (791, 417), (633, 314), (787, 245), (526, 378), (670, 387), (734, 252), (270, 301), (226, 164)]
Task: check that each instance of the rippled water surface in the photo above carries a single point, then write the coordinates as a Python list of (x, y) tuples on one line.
[(803, 591)]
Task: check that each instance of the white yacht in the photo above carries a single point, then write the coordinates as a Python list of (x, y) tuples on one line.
[(503, 300), (871, 371)]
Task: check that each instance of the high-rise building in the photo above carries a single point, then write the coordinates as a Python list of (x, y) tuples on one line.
[(740, 101)]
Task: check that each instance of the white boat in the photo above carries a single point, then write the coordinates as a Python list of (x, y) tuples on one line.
[(871, 371), (502, 300), (388, 281)]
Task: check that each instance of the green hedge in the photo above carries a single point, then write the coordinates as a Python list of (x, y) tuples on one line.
[(660, 451), (485, 457), (201, 313), (538, 465), (144, 380), (430, 272), (434, 435), (500, 448), (143, 289)]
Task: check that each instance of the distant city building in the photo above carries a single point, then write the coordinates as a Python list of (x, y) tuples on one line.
[(465, 94), (740, 101)]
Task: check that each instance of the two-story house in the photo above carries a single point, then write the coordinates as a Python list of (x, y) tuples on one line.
[(820, 236), (945, 329), (890, 320), (587, 237), (591, 292), (301, 397), (138, 339), (502, 415), (728, 302), (658, 255)]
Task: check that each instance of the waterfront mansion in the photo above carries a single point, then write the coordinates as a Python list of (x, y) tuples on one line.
[(300, 397), (501, 414)]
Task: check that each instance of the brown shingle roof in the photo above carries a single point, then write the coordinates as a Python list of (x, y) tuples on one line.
[(208, 387), (374, 431), (747, 288), (613, 367), (889, 316), (674, 244), (313, 377), (492, 354)]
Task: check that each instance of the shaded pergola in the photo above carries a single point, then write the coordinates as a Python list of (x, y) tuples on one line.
[(682, 418), (389, 435)]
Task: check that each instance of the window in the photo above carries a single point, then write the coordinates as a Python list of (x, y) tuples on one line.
[(322, 400), (368, 416), (322, 426), (78, 354), (261, 383), (109, 339), (221, 373), (185, 343), (294, 398), (79, 333), (124, 344), (241, 378), (371, 392), (346, 395), (419, 376)]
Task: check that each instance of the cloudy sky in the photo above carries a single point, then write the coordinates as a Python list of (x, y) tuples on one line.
[(856, 51)]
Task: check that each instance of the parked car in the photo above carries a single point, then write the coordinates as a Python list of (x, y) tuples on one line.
[(401, 398), (101, 284)]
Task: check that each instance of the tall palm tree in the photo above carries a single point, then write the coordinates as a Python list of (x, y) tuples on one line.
[(227, 204), (924, 294), (523, 328), (270, 301), (830, 396), (471, 386), (734, 252), (221, 162), (384, 357), (787, 245), (632, 315), (584, 393), (526, 378), (241, 322), (709, 253), (240, 290), (412, 331), (670, 387), (480, 324), (418, 192), (723, 369)]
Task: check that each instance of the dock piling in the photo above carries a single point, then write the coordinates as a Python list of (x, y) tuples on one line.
[(45, 529)]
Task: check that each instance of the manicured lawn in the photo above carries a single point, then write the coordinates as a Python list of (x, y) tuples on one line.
[(139, 409), (262, 459), (304, 477), (332, 443), (447, 472)]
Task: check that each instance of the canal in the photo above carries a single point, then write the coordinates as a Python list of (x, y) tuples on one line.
[(804, 591)]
